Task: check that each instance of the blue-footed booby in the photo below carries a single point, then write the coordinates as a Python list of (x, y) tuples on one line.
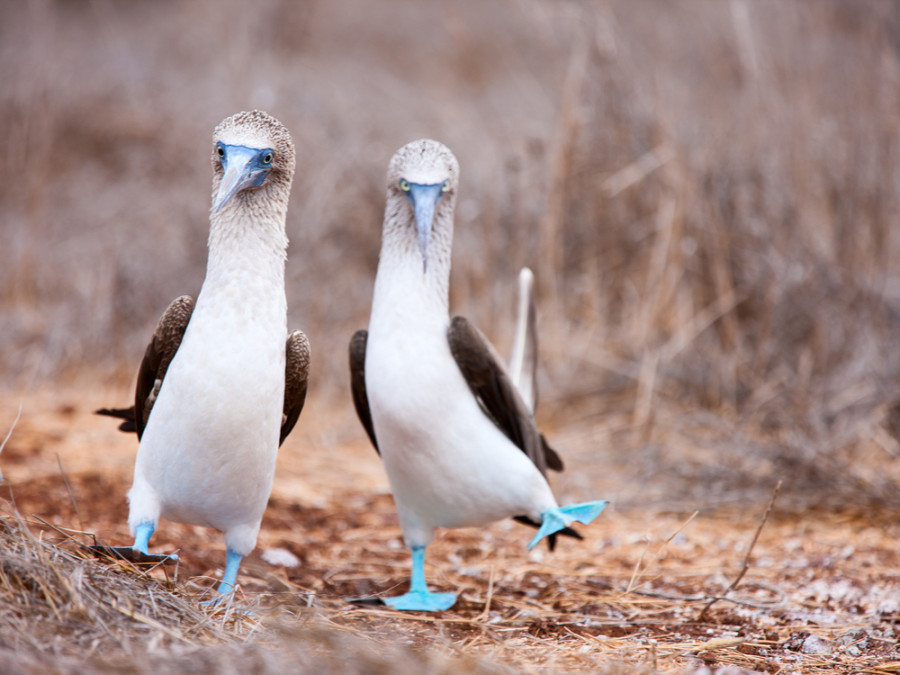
[(457, 437), (218, 388)]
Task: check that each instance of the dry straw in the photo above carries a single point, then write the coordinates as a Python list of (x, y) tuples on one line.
[(62, 611), (708, 191)]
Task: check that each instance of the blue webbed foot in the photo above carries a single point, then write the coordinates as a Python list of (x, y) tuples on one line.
[(142, 534), (424, 601), (419, 597), (555, 519), (137, 553), (132, 555)]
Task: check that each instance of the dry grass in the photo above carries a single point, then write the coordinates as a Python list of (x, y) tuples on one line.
[(63, 612), (638, 607), (707, 191), (815, 593)]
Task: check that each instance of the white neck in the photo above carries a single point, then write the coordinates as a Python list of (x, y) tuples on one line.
[(401, 284), (247, 242)]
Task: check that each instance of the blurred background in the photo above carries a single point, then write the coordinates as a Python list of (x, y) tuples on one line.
[(707, 191)]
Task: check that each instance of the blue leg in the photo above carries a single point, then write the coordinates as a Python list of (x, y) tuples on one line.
[(419, 597), (142, 534), (555, 519), (232, 563), (229, 578)]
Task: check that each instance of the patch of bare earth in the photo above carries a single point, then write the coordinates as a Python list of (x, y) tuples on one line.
[(821, 592)]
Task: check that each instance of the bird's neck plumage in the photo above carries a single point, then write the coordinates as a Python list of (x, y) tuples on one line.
[(401, 283), (247, 240)]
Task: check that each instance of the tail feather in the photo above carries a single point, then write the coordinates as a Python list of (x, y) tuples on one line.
[(523, 360), (558, 518), (551, 538), (127, 414)]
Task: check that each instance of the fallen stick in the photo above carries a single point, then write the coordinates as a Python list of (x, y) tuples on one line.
[(746, 564)]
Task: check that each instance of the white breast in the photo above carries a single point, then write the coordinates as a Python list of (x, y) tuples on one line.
[(209, 447), (448, 464)]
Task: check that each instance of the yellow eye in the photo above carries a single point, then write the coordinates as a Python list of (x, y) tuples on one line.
[(268, 158), (220, 151), (404, 185), (446, 186)]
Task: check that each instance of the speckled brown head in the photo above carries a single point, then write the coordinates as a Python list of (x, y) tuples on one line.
[(422, 180), (253, 159)]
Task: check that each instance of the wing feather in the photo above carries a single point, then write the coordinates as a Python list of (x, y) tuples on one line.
[(358, 383), (159, 354), (296, 380), (497, 395), (502, 402)]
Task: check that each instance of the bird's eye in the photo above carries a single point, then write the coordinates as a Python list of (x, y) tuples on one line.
[(268, 158), (404, 185), (446, 186), (220, 151)]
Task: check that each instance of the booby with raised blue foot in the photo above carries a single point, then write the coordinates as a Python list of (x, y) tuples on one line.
[(458, 440), (219, 388)]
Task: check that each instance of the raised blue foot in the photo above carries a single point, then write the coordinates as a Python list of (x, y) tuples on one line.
[(419, 597), (555, 519)]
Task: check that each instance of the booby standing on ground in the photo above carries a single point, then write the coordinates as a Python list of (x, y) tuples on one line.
[(218, 389), (459, 444)]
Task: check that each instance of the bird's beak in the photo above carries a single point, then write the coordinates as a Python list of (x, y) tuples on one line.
[(242, 171), (424, 198)]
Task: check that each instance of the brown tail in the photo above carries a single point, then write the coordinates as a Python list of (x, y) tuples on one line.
[(551, 538), (126, 414)]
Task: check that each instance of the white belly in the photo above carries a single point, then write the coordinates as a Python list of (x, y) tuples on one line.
[(208, 451), (448, 464)]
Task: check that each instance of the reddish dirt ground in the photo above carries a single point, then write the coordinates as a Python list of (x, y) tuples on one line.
[(821, 593)]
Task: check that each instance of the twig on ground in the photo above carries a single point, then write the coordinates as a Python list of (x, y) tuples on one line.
[(486, 613), (711, 598), (746, 564), (636, 573)]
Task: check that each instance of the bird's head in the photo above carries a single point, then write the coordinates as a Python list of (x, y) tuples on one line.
[(252, 152), (423, 177)]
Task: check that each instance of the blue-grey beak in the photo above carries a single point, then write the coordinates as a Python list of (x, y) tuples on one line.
[(244, 168), (424, 198)]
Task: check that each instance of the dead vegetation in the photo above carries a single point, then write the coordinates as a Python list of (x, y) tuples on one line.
[(62, 611), (634, 597), (704, 190), (707, 193)]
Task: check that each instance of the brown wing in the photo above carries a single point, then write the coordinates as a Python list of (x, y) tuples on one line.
[(497, 395), (358, 383), (157, 357), (296, 380), (502, 403)]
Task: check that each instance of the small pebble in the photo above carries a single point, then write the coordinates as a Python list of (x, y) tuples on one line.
[(280, 556), (815, 645)]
